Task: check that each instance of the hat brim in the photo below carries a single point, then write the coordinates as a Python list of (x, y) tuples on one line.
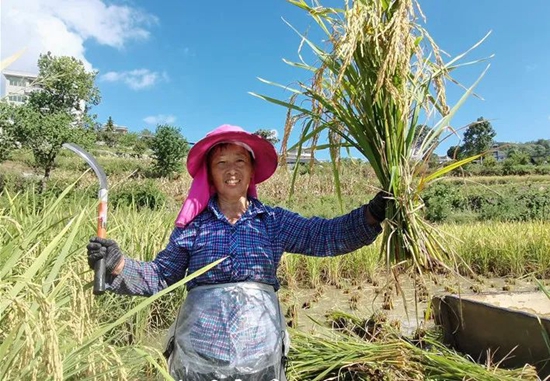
[(265, 156)]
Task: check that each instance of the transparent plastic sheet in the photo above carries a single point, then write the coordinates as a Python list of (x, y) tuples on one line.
[(249, 346)]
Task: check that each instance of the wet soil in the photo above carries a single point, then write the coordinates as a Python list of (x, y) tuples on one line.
[(405, 305)]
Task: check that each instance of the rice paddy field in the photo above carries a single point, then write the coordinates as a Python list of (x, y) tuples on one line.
[(348, 317)]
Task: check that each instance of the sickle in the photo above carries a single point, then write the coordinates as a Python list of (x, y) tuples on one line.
[(99, 266)]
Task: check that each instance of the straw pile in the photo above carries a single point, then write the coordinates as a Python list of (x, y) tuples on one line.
[(355, 352)]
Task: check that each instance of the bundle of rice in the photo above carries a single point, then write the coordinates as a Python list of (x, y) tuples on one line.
[(380, 74), (348, 357)]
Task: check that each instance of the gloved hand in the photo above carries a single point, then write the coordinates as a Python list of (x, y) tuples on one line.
[(377, 206), (104, 248)]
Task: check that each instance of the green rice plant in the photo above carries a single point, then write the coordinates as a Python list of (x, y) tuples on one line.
[(294, 269), (443, 364), (494, 248), (380, 73), (363, 264), (51, 326), (314, 271), (333, 272)]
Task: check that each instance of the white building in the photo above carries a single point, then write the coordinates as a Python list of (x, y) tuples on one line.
[(117, 128), (304, 157), (18, 86)]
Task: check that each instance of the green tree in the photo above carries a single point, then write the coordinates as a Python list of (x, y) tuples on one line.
[(57, 113), (270, 135), (147, 136), (146, 132), (108, 134), (110, 125), (8, 141), (140, 147), (478, 138), (519, 156), (128, 140), (454, 152), (135, 142), (65, 85), (169, 148), (45, 133)]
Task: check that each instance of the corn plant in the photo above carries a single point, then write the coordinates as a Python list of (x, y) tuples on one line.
[(379, 75)]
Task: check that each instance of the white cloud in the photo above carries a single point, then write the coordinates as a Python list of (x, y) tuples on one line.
[(135, 79), (160, 119), (63, 26)]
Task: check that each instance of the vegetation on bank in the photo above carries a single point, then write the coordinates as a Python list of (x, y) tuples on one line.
[(460, 198)]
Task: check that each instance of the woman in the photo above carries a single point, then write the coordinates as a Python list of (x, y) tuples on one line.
[(230, 325)]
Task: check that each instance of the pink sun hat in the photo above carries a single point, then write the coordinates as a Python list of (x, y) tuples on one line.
[(265, 164)]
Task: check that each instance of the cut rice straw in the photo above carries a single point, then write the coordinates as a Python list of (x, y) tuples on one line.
[(347, 357)]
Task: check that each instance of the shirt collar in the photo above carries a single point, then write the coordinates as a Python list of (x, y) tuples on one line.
[(255, 208)]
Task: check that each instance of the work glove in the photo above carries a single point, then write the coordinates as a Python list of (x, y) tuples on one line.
[(104, 248), (377, 206)]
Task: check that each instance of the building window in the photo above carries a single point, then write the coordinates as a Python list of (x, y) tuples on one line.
[(17, 98), (17, 82)]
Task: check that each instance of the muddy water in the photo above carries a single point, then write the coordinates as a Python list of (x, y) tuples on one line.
[(535, 302), (396, 303)]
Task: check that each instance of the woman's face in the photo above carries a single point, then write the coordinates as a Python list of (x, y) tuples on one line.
[(231, 170)]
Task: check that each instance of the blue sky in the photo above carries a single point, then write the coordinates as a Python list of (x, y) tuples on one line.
[(193, 65)]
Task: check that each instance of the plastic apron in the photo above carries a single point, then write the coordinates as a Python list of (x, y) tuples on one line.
[(251, 344)]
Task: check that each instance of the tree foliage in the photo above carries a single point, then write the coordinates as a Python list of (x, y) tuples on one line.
[(453, 152), (65, 86), (45, 133), (108, 134), (478, 138), (169, 148), (270, 135), (57, 112), (537, 152), (8, 141)]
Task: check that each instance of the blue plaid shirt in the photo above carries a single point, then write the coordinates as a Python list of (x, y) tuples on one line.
[(254, 247)]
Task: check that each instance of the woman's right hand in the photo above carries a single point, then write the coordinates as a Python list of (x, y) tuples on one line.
[(105, 248)]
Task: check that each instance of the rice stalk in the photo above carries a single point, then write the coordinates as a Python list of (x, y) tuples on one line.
[(381, 73), (340, 356), (51, 326), (11, 59)]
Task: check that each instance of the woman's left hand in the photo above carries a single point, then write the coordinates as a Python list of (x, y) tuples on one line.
[(377, 206)]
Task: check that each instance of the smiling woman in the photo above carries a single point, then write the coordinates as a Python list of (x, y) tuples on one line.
[(230, 170), (230, 325)]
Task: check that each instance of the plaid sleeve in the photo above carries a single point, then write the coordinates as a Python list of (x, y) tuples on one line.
[(325, 237), (147, 278)]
